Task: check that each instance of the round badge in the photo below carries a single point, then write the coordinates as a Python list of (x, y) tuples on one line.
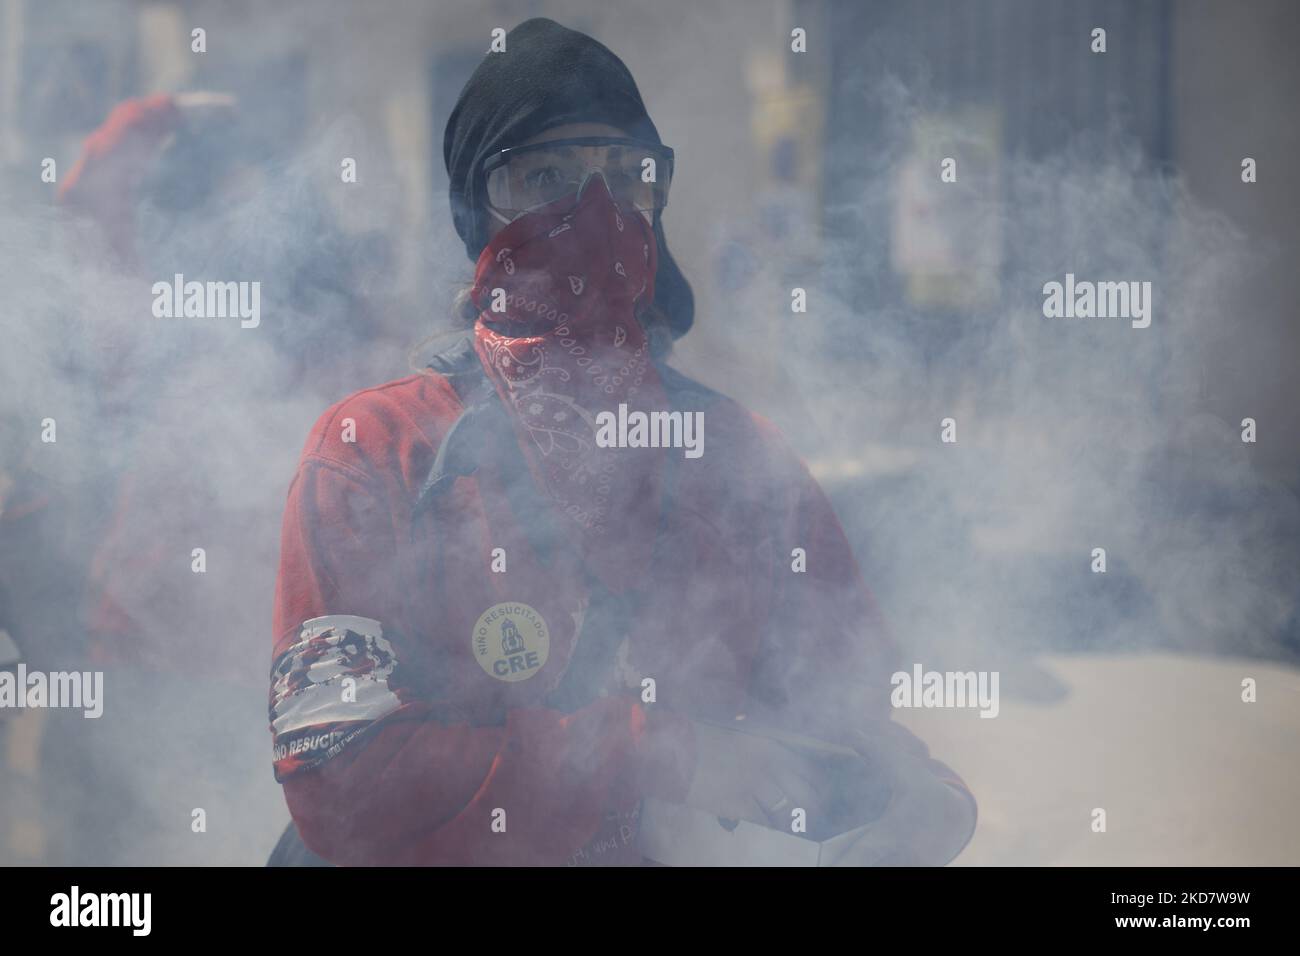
[(511, 641)]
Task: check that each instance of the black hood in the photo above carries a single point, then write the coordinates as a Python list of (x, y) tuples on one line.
[(548, 76)]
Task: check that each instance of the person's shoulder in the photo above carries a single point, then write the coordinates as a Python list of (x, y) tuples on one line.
[(377, 428), (727, 417), (679, 383)]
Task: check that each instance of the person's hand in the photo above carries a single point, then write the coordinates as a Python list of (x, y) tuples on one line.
[(743, 776), (926, 822)]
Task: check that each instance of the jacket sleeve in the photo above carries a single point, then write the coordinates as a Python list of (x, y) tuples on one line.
[(386, 773), (829, 658)]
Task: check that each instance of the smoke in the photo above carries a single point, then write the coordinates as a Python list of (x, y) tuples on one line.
[(146, 461), (1071, 434)]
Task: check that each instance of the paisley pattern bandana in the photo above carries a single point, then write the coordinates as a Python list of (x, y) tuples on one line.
[(558, 336)]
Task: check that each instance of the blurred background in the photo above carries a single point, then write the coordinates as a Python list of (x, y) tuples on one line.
[(816, 170)]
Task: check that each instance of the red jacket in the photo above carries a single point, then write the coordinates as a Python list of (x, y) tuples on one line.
[(441, 728), (114, 161)]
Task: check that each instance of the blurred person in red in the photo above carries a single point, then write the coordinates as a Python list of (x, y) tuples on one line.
[(196, 411)]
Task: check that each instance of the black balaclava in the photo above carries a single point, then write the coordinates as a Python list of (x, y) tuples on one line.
[(548, 75)]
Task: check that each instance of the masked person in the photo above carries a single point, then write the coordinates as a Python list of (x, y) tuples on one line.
[(504, 617)]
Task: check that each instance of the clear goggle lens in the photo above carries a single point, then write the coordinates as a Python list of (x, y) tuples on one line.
[(526, 177)]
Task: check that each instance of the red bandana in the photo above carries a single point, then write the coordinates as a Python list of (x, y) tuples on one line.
[(568, 346)]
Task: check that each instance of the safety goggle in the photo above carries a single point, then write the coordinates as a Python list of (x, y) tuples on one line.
[(522, 178)]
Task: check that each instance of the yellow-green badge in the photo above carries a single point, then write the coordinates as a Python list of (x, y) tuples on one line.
[(511, 641)]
